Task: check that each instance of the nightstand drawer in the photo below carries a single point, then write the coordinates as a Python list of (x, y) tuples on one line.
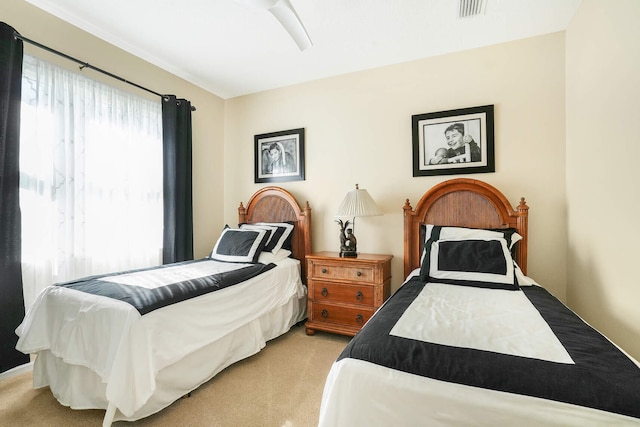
[(327, 313), (336, 292), (343, 272)]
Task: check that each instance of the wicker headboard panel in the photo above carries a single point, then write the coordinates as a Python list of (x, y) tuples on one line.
[(275, 204), (463, 202)]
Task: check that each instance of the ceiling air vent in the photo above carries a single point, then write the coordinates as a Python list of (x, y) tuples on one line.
[(471, 8)]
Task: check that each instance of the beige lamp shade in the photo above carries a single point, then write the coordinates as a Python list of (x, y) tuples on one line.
[(358, 203)]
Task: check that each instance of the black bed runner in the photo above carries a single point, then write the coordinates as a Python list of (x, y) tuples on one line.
[(602, 377), (146, 300)]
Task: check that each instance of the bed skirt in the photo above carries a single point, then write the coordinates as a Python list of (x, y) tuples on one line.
[(80, 388)]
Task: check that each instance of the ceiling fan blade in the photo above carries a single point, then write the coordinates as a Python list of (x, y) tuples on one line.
[(288, 17), (285, 13)]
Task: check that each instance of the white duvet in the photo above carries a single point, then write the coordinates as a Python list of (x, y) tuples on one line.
[(127, 350)]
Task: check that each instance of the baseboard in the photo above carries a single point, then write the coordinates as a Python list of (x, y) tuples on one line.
[(16, 371)]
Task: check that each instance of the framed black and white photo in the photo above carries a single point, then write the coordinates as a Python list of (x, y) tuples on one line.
[(279, 156), (453, 142)]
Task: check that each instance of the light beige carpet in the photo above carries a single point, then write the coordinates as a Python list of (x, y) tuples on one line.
[(281, 386)]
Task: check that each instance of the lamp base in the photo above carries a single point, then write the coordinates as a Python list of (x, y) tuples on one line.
[(348, 254)]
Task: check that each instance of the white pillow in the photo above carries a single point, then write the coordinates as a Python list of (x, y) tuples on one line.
[(269, 257), (471, 233)]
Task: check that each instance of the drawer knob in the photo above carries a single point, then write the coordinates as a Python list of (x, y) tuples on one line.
[(359, 296), (325, 313), (324, 270), (359, 273), (359, 319), (324, 292)]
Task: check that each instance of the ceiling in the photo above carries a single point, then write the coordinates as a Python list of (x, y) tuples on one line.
[(231, 48)]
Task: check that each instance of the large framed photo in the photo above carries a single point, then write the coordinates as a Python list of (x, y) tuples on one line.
[(279, 156), (453, 142)]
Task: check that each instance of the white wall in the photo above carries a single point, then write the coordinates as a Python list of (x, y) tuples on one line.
[(358, 130), (603, 177)]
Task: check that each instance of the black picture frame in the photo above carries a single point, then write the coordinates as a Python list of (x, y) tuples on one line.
[(434, 132), (288, 165)]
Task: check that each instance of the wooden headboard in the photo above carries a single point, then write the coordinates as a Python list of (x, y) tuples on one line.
[(275, 204), (463, 202)]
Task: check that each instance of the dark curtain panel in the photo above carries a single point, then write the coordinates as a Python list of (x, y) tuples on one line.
[(11, 298), (178, 206)]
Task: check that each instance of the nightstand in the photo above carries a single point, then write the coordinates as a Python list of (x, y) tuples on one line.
[(345, 292)]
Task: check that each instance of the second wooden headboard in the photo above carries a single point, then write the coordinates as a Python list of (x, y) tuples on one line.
[(463, 202)]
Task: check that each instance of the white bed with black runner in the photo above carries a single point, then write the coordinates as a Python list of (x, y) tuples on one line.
[(110, 341), (442, 354)]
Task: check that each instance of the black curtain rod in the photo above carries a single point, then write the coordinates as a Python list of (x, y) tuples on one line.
[(84, 65)]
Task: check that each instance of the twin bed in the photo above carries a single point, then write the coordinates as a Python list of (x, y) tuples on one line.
[(132, 343), (468, 339)]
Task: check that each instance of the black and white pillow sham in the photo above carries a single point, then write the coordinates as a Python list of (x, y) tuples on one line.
[(484, 263), (469, 257), (274, 234), (281, 236), (237, 245)]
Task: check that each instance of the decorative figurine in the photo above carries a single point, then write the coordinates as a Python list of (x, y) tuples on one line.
[(348, 241)]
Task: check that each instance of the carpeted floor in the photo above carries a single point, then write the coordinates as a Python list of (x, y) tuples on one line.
[(279, 387)]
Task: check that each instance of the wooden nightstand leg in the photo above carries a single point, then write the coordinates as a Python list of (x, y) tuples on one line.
[(310, 331)]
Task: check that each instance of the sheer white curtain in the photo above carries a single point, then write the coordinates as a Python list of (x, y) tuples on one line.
[(90, 178)]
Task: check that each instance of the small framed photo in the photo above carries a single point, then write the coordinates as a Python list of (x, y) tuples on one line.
[(279, 156), (453, 142)]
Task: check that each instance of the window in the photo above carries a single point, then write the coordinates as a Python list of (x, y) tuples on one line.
[(90, 178)]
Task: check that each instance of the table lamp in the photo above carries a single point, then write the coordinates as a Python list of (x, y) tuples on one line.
[(356, 203)]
